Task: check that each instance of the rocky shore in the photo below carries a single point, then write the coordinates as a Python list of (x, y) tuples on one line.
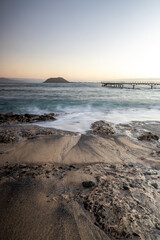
[(118, 201), (61, 185), (25, 118)]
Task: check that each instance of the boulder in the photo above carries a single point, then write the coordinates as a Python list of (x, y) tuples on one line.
[(102, 128)]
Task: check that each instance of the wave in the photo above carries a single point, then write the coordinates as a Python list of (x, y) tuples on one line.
[(80, 120)]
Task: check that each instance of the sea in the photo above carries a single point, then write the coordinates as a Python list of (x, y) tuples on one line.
[(78, 105)]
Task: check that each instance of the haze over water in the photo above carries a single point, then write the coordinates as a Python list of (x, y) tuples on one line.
[(80, 104)]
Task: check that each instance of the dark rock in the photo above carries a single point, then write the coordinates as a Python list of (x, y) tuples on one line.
[(157, 225), (72, 166), (85, 204), (25, 118), (102, 127), (148, 136), (88, 184), (136, 234), (130, 165), (132, 185), (125, 187), (155, 185), (150, 173)]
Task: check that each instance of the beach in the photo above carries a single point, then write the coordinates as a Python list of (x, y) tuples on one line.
[(57, 184), (80, 120)]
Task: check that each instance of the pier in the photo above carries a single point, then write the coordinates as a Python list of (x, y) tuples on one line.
[(120, 84)]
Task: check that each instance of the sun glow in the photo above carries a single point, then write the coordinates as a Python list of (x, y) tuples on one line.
[(120, 41)]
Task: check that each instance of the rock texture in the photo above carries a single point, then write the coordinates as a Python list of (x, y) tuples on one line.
[(17, 133), (148, 136), (102, 128), (123, 204), (56, 80), (25, 118)]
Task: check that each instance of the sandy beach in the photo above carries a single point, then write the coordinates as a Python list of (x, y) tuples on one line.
[(80, 120), (62, 185)]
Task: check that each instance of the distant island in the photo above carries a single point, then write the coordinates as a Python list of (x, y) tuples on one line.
[(56, 80)]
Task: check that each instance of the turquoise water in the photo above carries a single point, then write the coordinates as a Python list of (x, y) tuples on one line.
[(78, 104)]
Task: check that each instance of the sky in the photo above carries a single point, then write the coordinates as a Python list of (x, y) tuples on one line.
[(80, 40)]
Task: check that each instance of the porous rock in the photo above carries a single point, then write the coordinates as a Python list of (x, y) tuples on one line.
[(148, 136), (25, 118), (102, 128)]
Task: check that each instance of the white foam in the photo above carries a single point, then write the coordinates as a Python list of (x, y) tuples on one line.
[(36, 110), (80, 121)]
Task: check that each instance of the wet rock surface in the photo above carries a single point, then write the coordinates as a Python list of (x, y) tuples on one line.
[(17, 133), (25, 118), (102, 128), (148, 136), (20, 171), (135, 129)]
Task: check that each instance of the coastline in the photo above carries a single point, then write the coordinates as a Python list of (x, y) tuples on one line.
[(43, 197)]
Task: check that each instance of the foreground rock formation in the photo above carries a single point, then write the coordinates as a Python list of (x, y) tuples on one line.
[(62, 185), (125, 202), (122, 201)]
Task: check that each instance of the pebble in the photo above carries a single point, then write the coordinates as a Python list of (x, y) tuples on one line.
[(88, 184), (125, 187), (155, 185)]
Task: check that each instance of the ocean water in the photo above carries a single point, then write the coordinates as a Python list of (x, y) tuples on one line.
[(80, 104)]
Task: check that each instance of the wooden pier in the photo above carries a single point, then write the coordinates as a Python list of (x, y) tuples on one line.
[(118, 84)]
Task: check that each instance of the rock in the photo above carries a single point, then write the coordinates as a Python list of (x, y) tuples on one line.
[(102, 127), (155, 185), (25, 118), (148, 136), (132, 185), (125, 187), (157, 225), (88, 184), (6, 137), (72, 166), (125, 208), (136, 234)]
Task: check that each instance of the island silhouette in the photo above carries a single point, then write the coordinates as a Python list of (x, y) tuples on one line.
[(56, 80)]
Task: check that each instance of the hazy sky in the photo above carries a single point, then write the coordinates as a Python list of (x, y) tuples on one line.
[(80, 39)]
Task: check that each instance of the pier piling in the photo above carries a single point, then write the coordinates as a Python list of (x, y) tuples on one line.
[(117, 84)]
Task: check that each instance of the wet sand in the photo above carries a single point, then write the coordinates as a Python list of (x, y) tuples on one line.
[(42, 193)]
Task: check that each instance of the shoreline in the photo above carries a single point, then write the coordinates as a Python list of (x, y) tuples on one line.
[(92, 147), (43, 195)]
